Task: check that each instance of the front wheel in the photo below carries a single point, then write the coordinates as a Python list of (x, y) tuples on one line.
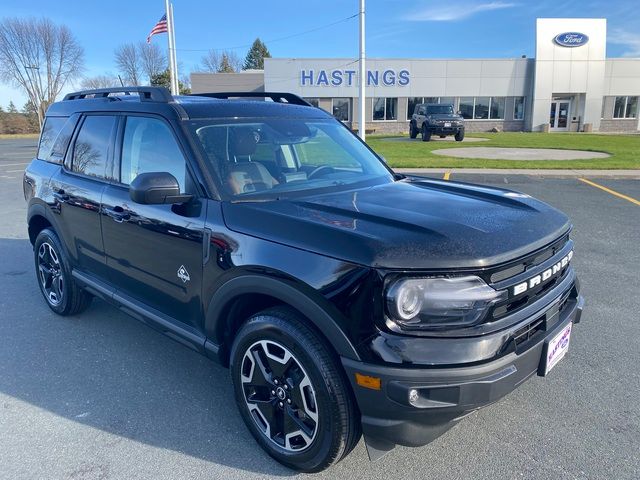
[(413, 131), (292, 393), (426, 134), (460, 136)]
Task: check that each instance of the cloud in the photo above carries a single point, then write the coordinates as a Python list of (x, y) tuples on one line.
[(631, 41), (454, 12)]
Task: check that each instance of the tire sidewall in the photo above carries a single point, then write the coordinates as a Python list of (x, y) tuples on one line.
[(267, 327), (426, 136), (47, 235)]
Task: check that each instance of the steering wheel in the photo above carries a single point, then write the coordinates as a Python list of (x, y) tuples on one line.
[(319, 169)]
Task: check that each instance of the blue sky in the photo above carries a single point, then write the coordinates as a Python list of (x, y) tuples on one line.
[(420, 28)]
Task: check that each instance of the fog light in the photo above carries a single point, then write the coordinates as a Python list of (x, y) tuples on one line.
[(413, 396)]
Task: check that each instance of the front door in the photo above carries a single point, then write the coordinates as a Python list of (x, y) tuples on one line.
[(559, 116), (154, 253)]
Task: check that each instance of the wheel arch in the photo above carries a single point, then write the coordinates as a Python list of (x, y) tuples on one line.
[(239, 298), (37, 220)]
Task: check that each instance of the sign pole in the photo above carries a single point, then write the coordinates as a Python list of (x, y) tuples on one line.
[(174, 84), (362, 78)]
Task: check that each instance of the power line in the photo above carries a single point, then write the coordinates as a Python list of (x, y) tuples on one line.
[(279, 39)]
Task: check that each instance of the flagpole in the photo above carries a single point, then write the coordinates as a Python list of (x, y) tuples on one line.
[(174, 84), (175, 55), (362, 77)]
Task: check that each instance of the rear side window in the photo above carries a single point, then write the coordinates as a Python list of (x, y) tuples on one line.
[(149, 146), (92, 146), (50, 130)]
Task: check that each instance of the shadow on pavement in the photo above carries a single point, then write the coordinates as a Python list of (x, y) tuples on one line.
[(105, 370)]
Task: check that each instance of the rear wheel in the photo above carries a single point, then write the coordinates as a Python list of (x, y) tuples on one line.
[(426, 134), (460, 136), (53, 270), (413, 131), (291, 392)]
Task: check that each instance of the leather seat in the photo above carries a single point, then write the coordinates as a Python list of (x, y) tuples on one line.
[(244, 174)]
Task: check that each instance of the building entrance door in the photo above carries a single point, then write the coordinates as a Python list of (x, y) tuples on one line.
[(559, 116)]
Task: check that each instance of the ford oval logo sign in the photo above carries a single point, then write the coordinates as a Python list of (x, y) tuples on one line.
[(571, 39)]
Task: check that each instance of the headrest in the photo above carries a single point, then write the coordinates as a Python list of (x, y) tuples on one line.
[(244, 141)]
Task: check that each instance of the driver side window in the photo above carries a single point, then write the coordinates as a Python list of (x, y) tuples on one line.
[(149, 146)]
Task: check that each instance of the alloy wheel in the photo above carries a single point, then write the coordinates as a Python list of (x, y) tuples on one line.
[(279, 395), (50, 274)]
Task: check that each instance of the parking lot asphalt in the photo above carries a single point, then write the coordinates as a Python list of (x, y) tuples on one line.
[(101, 396)]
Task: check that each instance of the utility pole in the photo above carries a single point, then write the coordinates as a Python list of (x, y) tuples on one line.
[(362, 76), (172, 59)]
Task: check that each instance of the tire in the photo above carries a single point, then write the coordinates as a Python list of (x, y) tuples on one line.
[(413, 131), (460, 136), (53, 272), (310, 392), (426, 134)]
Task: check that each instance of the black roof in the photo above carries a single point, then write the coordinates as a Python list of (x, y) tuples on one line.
[(158, 100)]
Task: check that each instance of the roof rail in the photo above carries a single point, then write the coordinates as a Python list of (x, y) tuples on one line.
[(278, 97), (153, 94)]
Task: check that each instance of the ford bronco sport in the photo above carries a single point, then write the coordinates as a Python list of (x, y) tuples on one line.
[(436, 119), (346, 299)]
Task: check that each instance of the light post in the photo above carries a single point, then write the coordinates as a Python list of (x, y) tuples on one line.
[(362, 76)]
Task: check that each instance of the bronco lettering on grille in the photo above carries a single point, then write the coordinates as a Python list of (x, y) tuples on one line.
[(544, 276)]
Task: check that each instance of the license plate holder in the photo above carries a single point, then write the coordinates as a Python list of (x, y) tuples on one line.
[(447, 124), (555, 349)]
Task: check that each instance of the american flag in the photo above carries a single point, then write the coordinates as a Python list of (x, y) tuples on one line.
[(160, 27)]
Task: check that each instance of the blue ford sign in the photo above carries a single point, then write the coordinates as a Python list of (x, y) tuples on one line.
[(571, 39)]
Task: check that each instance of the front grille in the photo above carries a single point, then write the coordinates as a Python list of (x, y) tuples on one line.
[(529, 263)]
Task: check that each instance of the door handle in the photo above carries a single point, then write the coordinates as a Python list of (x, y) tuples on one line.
[(117, 213)]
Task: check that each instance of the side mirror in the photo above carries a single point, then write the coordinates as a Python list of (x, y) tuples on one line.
[(156, 188)]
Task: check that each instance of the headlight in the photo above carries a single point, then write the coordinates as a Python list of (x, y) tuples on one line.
[(423, 303)]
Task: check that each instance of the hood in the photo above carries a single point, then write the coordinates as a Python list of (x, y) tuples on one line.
[(408, 224), (445, 116)]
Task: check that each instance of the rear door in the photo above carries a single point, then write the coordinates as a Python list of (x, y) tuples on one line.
[(77, 190), (154, 253)]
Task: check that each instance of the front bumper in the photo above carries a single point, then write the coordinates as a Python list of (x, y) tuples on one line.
[(445, 395), (442, 130)]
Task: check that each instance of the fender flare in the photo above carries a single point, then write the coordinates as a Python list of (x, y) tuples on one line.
[(286, 292)]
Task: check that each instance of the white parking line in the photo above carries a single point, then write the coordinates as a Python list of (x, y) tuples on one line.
[(15, 171), (13, 164)]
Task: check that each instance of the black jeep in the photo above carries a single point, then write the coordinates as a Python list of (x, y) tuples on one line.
[(345, 298), (436, 119)]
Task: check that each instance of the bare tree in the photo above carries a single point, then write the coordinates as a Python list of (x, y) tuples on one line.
[(129, 63), (152, 59), (100, 81), (40, 57), (212, 61)]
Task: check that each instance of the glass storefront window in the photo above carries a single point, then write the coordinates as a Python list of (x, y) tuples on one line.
[(466, 107), (385, 108), (518, 108), (341, 109), (448, 100), (632, 108), (481, 111), (497, 108), (618, 108), (411, 105), (313, 101)]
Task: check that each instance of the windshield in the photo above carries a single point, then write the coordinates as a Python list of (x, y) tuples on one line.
[(440, 109), (280, 157)]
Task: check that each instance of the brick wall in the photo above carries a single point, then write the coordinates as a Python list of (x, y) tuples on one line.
[(629, 125)]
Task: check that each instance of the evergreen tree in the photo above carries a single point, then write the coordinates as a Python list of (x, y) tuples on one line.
[(225, 65), (256, 55), (12, 108), (163, 79)]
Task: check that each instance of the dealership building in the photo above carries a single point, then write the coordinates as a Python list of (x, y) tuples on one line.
[(570, 85)]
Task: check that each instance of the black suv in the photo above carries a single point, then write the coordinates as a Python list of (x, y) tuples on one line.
[(345, 298), (436, 119)]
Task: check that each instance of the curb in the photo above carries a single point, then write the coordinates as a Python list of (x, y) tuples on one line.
[(559, 173)]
